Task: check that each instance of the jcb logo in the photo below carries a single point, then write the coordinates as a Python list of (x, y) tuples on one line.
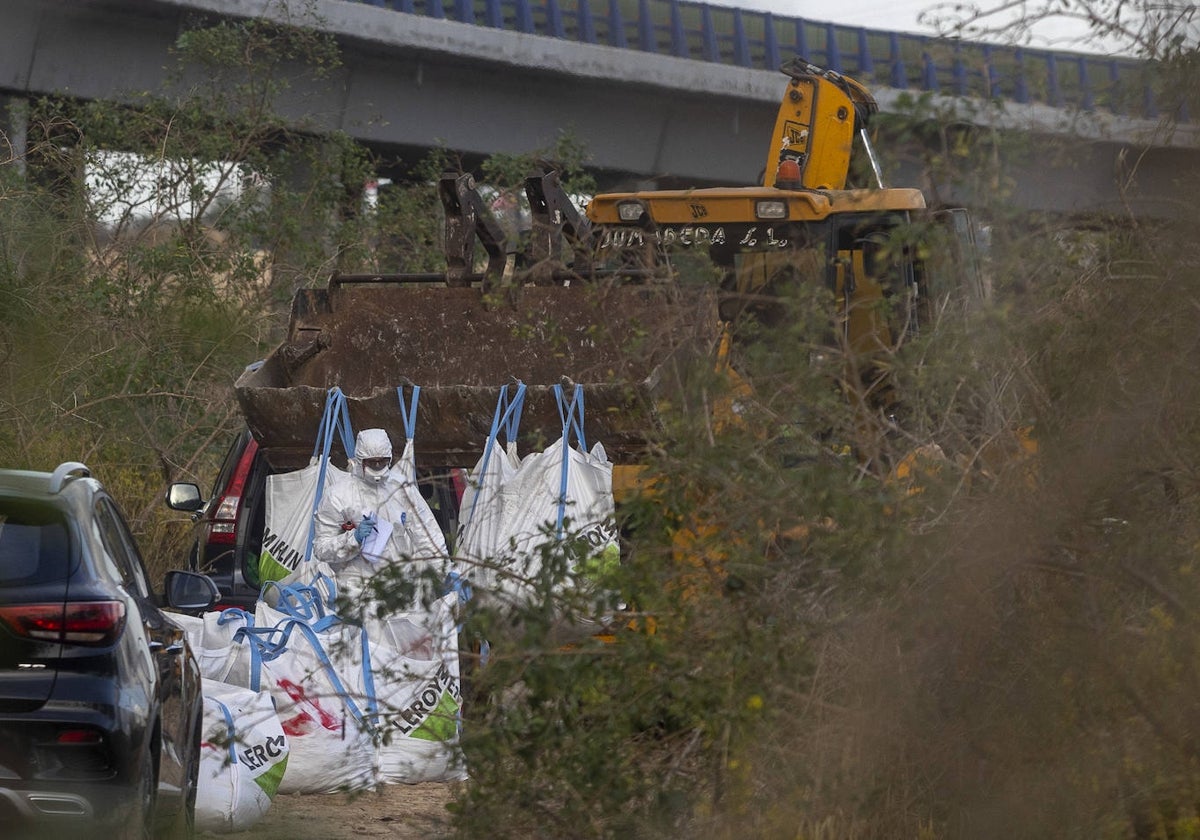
[(794, 134), (698, 211)]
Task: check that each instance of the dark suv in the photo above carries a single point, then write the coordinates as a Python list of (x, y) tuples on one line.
[(100, 699), (229, 524)]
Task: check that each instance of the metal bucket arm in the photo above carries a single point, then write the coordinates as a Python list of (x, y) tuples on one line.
[(468, 218), (555, 215)]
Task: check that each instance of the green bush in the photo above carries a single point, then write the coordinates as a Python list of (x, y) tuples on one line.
[(812, 645)]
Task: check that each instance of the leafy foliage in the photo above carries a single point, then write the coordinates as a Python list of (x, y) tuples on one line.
[(830, 621), (136, 293)]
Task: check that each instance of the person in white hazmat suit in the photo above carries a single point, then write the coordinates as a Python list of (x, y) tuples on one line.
[(370, 519)]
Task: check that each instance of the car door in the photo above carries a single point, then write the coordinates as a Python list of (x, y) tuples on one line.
[(165, 640)]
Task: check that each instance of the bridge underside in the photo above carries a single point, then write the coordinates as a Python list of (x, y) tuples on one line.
[(419, 84)]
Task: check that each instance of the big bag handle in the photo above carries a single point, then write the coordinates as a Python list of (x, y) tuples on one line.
[(334, 420), (571, 413), (264, 644), (228, 615), (512, 411), (408, 416), (230, 732), (298, 600), (507, 417), (305, 595), (408, 411)]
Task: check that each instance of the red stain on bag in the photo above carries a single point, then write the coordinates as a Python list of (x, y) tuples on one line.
[(302, 723)]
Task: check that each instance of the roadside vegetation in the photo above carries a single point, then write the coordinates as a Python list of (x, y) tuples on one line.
[(841, 625)]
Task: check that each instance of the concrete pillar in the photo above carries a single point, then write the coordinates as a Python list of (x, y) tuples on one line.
[(315, 242), (14, 132)]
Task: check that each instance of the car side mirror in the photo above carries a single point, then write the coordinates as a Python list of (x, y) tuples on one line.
[(184, 496), (190, 590)]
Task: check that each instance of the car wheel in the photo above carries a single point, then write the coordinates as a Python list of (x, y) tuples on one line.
[(141, 823), (184, 825)]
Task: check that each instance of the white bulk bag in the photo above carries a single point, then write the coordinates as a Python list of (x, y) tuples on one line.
[(419, 704), (420, 710), (428, 541), (221, 654), (481, 537), (243, 758), (323, 699), (429, 633), (292, 497), (560, 486)]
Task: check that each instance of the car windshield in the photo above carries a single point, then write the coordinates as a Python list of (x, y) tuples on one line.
[(34, 545)]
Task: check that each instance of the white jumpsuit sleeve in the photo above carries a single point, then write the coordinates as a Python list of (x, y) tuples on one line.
[(330, 543)]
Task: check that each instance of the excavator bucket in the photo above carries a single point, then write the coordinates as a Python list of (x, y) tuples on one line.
[(369, 335)]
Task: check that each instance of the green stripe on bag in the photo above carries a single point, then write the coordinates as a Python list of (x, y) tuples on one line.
[(442, 723), (269, 781), (271, 569)]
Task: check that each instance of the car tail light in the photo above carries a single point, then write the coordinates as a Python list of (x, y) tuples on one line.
[(224, 522), (73, 622), (222, 528), (85, 737), (74, 752)]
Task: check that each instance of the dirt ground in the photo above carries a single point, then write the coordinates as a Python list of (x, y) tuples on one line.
[(399, 812)]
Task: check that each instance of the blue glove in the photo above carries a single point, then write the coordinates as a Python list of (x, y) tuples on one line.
[(364, 528)]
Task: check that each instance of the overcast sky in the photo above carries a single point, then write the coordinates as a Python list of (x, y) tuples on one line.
[(901, 16)]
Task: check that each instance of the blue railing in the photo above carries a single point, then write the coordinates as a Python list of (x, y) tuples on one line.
[(875, 57)]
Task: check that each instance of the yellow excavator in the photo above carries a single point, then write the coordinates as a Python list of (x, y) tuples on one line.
[(596, 298), (888, 259)]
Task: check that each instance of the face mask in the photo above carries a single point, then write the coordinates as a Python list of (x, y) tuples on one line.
[(376, 469)]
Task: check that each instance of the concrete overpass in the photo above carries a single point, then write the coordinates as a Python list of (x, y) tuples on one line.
[(419, 81)]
